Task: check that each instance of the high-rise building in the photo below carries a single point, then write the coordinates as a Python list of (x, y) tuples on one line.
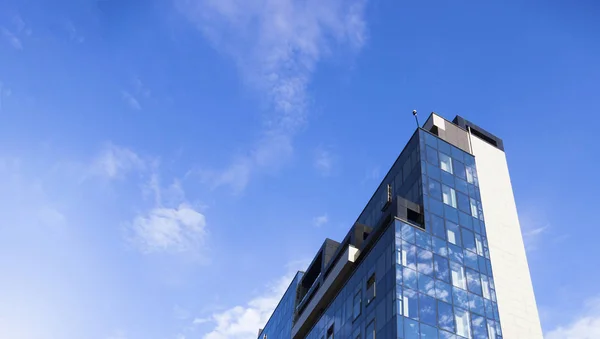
[(436, 253)]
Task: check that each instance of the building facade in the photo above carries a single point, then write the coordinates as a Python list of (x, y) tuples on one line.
[(423, 260)]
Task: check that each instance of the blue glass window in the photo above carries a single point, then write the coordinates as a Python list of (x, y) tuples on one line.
[(459, 169), (485, 287), (468, 240), (460, 298), (445, 163), (411, 304), (461, 185), (473, 281), (444, 147), (437, 226), (446, 335), (491, 329), (423, 240), (476, 304), (482, 265), (432, 155), (473, 204), (489, 310), (471, 260), (426, 285), (408, 233), (463, 202), (463, 327), (449, 196), (427, 310), (479, 244), (458, 275), (453, 232), (442, 269), (479, 327), (425, 262), (431, 140), (435, 189), (357, 304), (465, 220), (436, 207), (439, 247), (455, 253), (451, 213), (409, 255), (370, 330), (443, 291), (434, 172), (445, 317), (448, 179), (411, 329), (409, 278), (428, 332)]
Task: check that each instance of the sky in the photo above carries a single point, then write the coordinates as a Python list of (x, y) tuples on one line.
[(167, 165)]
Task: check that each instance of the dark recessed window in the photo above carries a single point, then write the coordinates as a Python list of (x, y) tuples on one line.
[(371, 289), (330, 332)]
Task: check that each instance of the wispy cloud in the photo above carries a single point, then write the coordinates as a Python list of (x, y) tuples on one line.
[(131, 100), (115, 162), (324, 161), (243, 322), (171, 224), (276, 45), (172, 230), (11, 38), (321, 220), (584, 326)]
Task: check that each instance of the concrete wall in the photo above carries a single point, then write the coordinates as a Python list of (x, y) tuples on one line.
[(514, 290)]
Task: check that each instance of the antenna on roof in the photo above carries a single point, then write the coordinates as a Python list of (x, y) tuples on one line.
[(416, 117)]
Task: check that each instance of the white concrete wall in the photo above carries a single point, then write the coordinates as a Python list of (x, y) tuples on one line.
[(514, 290)]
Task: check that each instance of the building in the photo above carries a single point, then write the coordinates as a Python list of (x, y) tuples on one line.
[(436, 253)]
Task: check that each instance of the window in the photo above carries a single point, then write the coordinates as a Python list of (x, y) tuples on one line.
[(357, 304), (427, 310), (449, 197), (411, 304), (370, 331), (453, 233), (445, 317), (459, 169), (473, 207), (458, 275), (445, 163), (473, 282), (432, 155), (435, 189), (330, 332), (462, 322), (371, 289)]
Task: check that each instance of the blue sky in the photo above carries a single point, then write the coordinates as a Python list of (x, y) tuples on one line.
[(166, 165)]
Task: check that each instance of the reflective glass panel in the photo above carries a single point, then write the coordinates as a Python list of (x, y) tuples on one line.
[(427, 310)]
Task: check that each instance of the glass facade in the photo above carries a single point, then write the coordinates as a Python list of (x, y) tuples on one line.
[(445, 285), (418, 281), (280, 323)]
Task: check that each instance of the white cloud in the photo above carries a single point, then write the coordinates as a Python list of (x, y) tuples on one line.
[(276, 44), (584, 326), (172, 230), (116, 161), (243, 322), (324, 161), (321, 220), (11, 38), (131, 101)]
